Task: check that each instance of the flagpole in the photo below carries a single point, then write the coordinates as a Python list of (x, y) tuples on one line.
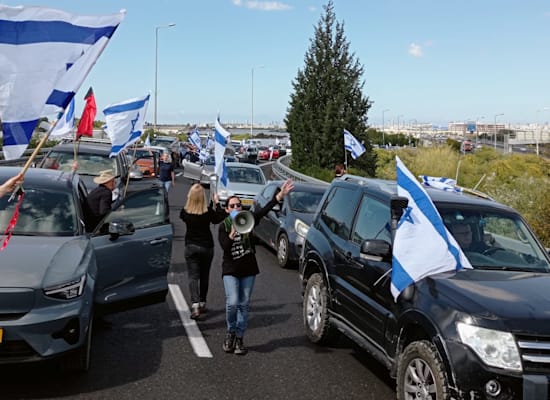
[(37, 149)]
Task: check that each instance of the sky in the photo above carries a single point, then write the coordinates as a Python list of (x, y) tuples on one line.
[(425, 61)]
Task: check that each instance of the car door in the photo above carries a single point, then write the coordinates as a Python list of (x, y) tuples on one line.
[(268, 225), (132, 269), (366, 301)]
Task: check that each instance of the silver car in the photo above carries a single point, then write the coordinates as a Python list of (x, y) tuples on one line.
[(202, 171), (244, 180), (56, 276)]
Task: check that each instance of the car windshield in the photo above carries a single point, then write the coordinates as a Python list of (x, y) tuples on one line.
[(42, 212), (88, 164), (495, 240), (245, 175), (304, 202)]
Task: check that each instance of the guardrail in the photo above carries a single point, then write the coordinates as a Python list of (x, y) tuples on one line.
[(283, 171)]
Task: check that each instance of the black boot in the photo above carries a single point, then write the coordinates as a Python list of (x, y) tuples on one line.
[(229, 342), (239, 347)]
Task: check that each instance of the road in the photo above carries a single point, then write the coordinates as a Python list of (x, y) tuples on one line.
[(151, 353)]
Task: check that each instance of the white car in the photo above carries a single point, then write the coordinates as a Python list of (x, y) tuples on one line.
[(244, 180)]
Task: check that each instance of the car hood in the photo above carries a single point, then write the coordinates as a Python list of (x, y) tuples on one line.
[(246, 188), (506, 297), (34, 262)]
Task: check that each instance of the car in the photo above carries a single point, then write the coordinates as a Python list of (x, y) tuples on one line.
[(135, 171), (93, 157), (280, 149), (248, 154), (284, 228), (171, 143), (264, 153), (480, 333), (56, 276), (202, 171), (147, 160), (244, 180)]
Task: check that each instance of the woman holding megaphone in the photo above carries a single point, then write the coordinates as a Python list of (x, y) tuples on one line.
[(239, 265)]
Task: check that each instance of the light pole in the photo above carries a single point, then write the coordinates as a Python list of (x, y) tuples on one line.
[(252, 101), (477, 129), (495, 128), (383, 136), (156, 65)]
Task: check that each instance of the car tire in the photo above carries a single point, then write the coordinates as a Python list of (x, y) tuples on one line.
[(319, 329), (79, 360), (282, 251), (420, 370)]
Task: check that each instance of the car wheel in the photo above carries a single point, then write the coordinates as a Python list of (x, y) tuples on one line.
[(421, 374), (79, 360), (282, 251), (315, 308)]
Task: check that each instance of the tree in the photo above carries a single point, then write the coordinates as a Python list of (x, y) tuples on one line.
[(327, 99)]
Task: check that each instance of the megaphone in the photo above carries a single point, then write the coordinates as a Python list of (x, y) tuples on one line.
[(243, 221)]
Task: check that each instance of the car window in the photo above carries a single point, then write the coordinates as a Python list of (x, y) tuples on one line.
[(88, 164), (143, 209), (245, 175), (42, 212), (303, 201), (338, 210), (373, 221)]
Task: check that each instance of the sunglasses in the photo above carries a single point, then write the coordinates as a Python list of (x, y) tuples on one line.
[(234, 205)]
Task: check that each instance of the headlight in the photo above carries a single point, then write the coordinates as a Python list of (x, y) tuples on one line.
[(67, 290), (301, 228), (495, 348)]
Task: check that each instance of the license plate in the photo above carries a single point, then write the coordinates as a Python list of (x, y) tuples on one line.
[(1, 334), (247, 202)]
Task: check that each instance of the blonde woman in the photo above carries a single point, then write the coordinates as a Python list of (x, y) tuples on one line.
[(199, 244)]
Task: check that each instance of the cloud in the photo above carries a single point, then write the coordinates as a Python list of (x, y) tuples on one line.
[(263, 5), (415, 50)]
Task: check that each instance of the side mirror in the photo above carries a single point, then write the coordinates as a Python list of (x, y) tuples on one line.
[(120, 228), (376, 250)]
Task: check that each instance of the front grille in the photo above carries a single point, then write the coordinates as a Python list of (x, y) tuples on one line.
[(535, 353), (14, 349), (10, 316)]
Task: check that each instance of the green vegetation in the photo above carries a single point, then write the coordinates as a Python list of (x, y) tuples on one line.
[(328, 98)]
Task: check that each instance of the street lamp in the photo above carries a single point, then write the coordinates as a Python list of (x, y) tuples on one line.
[(383, 136), (477, 129), (495, 128), (252, 101), (156, 65)]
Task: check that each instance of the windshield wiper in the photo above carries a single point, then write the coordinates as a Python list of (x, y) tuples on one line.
[(508, 268)]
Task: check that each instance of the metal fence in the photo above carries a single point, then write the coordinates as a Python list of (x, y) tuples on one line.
[(283, 171)]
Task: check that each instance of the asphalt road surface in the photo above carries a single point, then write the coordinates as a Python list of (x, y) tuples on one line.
[(157, 352)]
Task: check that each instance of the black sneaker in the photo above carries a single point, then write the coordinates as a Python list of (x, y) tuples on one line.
[(239, 347), (229, 342)]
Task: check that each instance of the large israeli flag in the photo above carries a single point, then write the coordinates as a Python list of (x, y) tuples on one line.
[(422, 246), (353, 145), (125, 122), (65, 124), (221, 136), (45, 55), (195, 139)]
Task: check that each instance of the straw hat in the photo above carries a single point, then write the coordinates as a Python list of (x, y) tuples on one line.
[(104, 177)]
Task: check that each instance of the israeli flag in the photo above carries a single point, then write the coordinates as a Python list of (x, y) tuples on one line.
[(353, 145), (125, 122), (46, 55), (65, 124), (446, 184), (221, 136), (195, 139), (422, 246)]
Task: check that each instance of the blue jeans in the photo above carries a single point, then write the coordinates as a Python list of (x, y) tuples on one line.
[(167, 185), (237, 302)]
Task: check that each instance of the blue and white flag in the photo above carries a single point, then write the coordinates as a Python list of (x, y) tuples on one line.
[(147, 141), (221, 136), (353, 145), (125, 122), (65, 124), (195, 139), (446, 184), (422, 245), (45, 56)]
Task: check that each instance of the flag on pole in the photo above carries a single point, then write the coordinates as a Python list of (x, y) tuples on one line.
[(125, 122), (195, 139), (446, 184), (65, 124), (86, 124), (147, 141), (422, 246), (221, 136), (353, 145), (47, 54)]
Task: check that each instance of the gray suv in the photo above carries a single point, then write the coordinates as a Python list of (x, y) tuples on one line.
[(55, 276)]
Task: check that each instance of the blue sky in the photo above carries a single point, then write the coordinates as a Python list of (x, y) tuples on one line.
[(425, 61)]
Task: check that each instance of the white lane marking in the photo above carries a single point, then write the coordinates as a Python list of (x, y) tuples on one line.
[(193, 332)]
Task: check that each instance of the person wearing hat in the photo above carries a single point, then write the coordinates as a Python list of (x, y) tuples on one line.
[(100, 199)]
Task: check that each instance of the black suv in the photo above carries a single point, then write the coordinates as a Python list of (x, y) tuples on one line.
[(480, 333)]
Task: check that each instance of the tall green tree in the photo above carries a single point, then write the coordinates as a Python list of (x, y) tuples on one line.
[(328, 98)]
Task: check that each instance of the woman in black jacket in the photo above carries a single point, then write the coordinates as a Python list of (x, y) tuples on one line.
[(199, 244)]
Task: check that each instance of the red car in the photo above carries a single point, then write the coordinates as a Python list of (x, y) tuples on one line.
[(263, 153)]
